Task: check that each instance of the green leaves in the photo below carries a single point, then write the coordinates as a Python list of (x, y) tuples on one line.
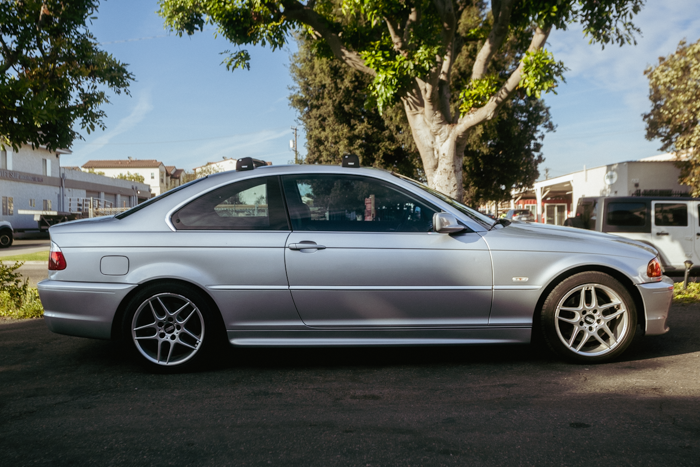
[(395, 71), (674, 92), (477, 93), (53, 75), (540, 73)]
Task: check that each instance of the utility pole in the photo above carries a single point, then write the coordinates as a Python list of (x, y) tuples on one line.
[(293, 146)]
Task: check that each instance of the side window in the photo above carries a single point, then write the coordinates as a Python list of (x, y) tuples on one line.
[(626, 214), (352, 203), (248, 205), (671, 214)]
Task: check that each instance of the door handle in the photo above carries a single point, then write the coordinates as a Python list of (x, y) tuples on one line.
[(306, 246), (661, 233)]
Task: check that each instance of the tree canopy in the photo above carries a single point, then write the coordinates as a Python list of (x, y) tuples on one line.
[(675, 108), (409, 49), (52, 73), (332, 103)]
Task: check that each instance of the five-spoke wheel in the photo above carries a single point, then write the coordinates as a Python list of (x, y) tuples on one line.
[(167, 326), (589, 317)]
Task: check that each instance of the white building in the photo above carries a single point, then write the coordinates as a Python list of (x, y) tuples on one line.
[(154, 172), (215, 167), (33, 183), (555, 199)]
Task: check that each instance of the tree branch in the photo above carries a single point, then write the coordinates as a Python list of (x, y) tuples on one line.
[(396, 38), (413, 18), (488, 111), (297, 11), (499, 31)]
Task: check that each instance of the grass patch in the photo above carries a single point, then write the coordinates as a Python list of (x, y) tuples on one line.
[(692, 295), (17, 299), (38, 256)]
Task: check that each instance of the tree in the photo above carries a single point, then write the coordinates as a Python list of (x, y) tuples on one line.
[(52, 73), (131, 177), (332, 104), (409, 48), (675, 108)]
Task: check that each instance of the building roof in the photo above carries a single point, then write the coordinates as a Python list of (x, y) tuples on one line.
[(169, 169), (177, 173), (125, 163)]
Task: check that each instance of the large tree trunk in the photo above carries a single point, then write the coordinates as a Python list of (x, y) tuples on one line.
[(441, 148)]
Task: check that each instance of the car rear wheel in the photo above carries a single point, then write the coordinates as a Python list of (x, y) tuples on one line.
[(589, 317), (170, 327), (5, 238)]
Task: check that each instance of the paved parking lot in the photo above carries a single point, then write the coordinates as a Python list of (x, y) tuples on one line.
[(72, 401)]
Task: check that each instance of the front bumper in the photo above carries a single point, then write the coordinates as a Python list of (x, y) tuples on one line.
[(657, 298), (83, 309)]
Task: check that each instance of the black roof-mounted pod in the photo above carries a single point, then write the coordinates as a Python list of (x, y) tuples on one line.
[(248, 163), (351, 160)]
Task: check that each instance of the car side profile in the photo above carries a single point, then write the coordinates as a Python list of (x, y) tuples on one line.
[(520, 215), (311, 255)]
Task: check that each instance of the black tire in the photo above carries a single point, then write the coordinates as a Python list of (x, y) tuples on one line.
[(589, 317), (6, 238), (170, 327)]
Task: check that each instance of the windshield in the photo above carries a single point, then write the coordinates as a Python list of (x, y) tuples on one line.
[(472, 213), (138, 207)]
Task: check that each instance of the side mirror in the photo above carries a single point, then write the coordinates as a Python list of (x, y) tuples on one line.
[(444, 222)]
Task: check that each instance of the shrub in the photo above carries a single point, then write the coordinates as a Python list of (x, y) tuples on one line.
[(17, 299), (691, 295)]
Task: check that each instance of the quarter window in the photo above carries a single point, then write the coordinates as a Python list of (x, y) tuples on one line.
[(248, 205), (627, 214), (671, 214), (351, 203)]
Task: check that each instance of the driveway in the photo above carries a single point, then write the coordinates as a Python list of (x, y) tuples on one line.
[(72, 401)]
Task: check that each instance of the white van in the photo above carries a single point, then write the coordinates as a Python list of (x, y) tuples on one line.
[(670, 224)]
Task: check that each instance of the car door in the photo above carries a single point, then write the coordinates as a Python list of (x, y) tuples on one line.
[(363, 254), (672, 232)]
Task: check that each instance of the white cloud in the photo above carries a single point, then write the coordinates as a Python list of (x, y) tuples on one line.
[(142, 108)]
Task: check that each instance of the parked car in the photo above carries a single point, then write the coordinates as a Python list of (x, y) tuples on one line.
[(316, 255), (6, 234), (670, 224), (520, 215)]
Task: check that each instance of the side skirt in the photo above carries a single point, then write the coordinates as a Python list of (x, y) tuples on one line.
[(359, 338)]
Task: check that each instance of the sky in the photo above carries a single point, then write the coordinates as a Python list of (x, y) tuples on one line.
[(186, 109)]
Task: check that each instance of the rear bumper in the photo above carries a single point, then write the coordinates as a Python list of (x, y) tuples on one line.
[(657, 298), (84, 309)]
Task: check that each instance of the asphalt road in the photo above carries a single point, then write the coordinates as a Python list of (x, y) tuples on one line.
[(72, 401)]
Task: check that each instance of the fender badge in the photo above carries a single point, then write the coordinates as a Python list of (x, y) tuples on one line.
[(520, 279)]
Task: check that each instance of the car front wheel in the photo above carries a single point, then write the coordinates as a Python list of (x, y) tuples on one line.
[(589, 317), (169, 327)]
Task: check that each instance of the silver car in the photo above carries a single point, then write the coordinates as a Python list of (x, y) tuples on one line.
[(331, 256)]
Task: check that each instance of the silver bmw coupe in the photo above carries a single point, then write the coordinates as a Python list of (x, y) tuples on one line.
[(342, 256)]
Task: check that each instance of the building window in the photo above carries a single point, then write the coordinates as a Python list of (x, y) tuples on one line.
[(8, 206), (47, 205), (32, 203), (153, 175), (3, 159)]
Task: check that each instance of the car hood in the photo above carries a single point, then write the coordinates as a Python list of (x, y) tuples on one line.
[(543, 237)]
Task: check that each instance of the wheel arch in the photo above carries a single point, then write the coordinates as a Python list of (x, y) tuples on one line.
[(121, 309), (614, 273)]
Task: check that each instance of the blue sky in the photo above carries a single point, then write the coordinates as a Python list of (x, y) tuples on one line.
[(186, 109)]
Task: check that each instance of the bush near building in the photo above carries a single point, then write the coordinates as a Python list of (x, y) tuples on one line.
[(17, 299)]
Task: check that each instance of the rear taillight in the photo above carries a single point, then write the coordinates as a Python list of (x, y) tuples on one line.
[(654, 268), (57, 262)]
